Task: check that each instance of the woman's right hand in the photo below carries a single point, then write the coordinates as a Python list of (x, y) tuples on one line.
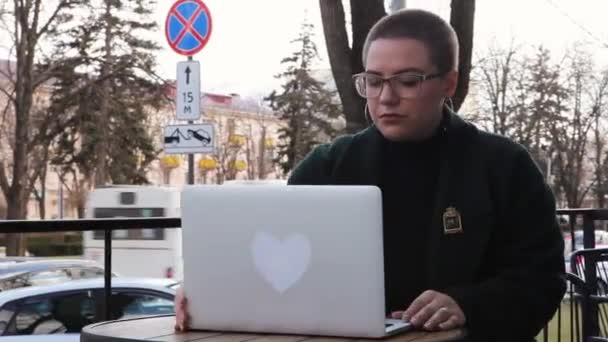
[(182, 318)]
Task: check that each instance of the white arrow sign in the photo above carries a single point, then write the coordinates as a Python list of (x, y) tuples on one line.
[(188, 90), (193, 138)]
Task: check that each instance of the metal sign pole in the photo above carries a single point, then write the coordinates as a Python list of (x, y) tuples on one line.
[(188, 28), (190, 155)]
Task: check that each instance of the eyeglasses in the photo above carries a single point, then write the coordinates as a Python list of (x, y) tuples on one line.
[(406, 85)]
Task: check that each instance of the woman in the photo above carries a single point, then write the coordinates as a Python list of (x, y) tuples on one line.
[(470, 235)]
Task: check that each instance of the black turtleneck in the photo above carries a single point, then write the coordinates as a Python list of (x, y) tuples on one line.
[(409, 179)]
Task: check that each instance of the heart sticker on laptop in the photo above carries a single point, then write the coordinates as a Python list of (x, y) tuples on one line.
[(281, 262)]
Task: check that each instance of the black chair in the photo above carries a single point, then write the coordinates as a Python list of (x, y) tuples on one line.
[(591, 266), (566, 325)]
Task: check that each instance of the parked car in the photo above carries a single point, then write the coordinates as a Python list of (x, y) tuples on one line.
[(23, 272), (601, 240), (68, 307)]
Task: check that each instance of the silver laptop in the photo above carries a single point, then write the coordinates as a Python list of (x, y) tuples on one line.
[(285, 259)]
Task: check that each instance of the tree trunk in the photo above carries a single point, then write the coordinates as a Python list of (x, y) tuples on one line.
[(250, 152), (167, 175), (80, 211), (462, 18), (345, 61), (41, 197), (262, 155), (14, 242), (364, 14), (17, 197)]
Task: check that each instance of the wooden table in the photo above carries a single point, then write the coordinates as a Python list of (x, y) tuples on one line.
[(161, 328)]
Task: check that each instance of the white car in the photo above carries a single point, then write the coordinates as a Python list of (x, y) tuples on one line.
[(24, 272), (601, 240), (68, 307)]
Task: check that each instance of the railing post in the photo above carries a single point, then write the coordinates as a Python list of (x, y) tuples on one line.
[(590, 312), (572, 239), (588, 232), (107, 272)]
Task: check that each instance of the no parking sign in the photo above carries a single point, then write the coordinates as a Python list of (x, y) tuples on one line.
[(188, 26)]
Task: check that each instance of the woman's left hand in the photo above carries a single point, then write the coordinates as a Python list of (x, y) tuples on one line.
[(433, 310)]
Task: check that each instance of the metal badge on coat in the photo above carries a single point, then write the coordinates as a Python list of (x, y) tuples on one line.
[(452, 222)]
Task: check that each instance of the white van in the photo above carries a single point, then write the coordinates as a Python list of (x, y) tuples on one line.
[(137, 252)]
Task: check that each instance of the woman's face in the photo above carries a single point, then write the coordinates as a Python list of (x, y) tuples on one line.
[(406, 109)]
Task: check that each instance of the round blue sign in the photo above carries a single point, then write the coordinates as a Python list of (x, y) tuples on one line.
[(188, 26)]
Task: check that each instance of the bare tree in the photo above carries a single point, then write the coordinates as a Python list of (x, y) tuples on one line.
[(518, 95), (599, 111), (227, 150), (495, 73), (557, 110), (77, 188), (570, 131), (29, 26)]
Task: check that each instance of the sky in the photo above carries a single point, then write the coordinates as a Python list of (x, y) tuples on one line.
[(250, 37)]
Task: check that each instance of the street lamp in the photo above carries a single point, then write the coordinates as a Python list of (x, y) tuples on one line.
[(548, 161)]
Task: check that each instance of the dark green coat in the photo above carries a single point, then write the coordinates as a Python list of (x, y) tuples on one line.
[(506, 268)]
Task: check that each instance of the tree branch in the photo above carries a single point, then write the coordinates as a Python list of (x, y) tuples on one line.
[(10, 96), (36, 194), (46, 26), (8, 76), (585, 192), (34, 176), (34, 37), (4, 180), (5, 112)]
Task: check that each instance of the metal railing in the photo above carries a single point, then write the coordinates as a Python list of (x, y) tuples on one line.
[(589, 217), (585, 325), (107, 225)]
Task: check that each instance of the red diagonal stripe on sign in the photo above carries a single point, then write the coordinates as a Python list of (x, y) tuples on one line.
[(187, 26)]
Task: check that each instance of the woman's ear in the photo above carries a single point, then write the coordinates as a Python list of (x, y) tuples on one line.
[(451, 83), (368, 115)]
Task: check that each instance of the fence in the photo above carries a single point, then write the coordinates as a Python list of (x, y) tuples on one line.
[(589, 218)]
